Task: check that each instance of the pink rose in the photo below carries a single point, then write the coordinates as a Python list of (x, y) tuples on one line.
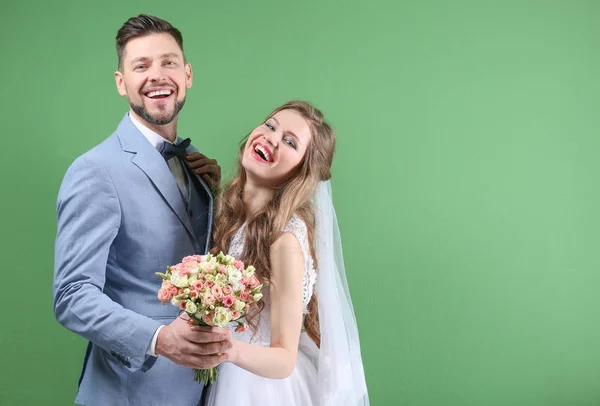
[(209, 284), (222, 269), (208, 300), (188, 259), (173, 290), (165, 295), (194, 294), (167, 285), (238, 264), (244, 281), (235, 315), (227, 290), (184, 271), (208, 318), (242, 328), (198, 258), (228, 300), (198, 285), (217, 292), (182, 304), (244, 296), (254, 282)]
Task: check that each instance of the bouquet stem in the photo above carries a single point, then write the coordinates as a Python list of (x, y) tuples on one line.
[(208, 376)]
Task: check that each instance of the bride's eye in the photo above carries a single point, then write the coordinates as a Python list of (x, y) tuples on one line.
[(290, 142), (270, 126)]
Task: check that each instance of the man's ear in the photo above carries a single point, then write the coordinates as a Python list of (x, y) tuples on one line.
[(120, 83), (188, 75)]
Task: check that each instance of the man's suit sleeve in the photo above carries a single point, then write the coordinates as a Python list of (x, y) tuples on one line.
[(89, 217)]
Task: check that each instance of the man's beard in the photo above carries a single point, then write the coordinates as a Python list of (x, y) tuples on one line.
[(141, 111)]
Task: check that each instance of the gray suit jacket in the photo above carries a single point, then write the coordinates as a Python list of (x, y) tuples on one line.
[(121, 218)]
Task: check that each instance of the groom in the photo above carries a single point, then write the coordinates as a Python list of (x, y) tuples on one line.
[(126, 209)]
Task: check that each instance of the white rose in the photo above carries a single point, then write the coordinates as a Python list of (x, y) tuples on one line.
[(239, 305), (222, 316), (175, 302), (191, 307), (257, 297), (249, 272), (238, 286), (194, 269), (179, 281), (234, 274)]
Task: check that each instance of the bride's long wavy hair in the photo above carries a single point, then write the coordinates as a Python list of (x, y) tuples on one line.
[(293, 195)]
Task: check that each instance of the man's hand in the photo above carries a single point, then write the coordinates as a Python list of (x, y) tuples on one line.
[(208, 169), (196, 347)]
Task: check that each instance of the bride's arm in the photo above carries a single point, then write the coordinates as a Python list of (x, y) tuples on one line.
[(278, 360)]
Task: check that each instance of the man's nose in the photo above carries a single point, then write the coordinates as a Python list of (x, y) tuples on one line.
[(156, 74)]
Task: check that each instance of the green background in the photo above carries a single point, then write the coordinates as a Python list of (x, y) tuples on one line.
[(466, 176)]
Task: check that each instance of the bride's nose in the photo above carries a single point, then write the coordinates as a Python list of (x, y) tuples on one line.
[(270, 139)]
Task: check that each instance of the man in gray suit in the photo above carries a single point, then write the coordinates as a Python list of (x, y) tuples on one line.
[(126, 209)]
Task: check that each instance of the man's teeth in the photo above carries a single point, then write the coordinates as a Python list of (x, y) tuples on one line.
[(159, 93), (262, 152)]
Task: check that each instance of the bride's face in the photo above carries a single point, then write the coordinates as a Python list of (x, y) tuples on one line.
[(276, 148)]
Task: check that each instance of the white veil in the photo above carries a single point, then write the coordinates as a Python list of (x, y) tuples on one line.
[(341, 377)]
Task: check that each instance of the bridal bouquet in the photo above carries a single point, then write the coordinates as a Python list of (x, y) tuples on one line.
[(213, 291)]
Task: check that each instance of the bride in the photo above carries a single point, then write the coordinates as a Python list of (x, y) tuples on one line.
[(302, 347)]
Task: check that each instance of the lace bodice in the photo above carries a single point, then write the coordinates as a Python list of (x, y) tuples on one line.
[(298, 228)]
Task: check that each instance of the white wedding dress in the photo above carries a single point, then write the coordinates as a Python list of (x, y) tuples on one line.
[(236, 386)]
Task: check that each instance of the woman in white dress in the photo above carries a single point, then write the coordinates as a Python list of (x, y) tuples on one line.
[(276, 214)]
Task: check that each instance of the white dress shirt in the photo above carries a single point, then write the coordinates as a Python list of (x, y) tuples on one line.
[(174, 163)]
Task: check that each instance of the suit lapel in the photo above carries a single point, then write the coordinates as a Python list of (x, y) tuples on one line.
[(149, 161), (210, 209)]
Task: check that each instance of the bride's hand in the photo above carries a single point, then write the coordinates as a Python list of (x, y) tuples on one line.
[(233, 353)]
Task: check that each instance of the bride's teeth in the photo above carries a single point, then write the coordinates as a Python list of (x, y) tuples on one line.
[(264, 152)]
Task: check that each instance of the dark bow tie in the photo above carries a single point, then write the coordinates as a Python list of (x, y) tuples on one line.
[(169, 150)]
